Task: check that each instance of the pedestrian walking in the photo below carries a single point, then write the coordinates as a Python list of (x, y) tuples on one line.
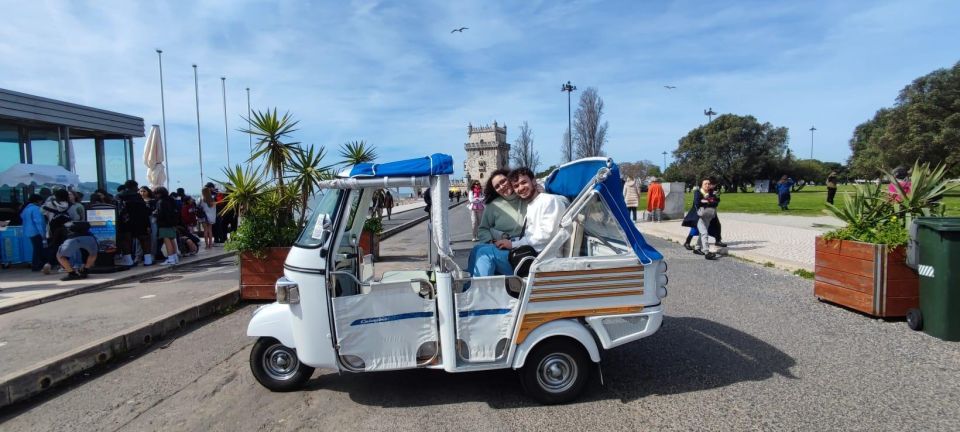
[(701, 215), (147, 194), (388, 203), (831, 186), (783, 192), (656, 199), (631, 197), (476, 198)]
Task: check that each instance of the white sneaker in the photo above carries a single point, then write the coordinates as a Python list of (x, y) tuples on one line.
[(47, 268), (148, 260), (127, 261), (172, 260)]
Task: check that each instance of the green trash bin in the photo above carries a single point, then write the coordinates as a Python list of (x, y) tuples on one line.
[(939, 269)]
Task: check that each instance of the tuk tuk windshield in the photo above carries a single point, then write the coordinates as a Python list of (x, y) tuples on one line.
[(322, 208)]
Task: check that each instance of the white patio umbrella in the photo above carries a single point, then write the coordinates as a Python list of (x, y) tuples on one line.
[(28, 174), (153, 158)]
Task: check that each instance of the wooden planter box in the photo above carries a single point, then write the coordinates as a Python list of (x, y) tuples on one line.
[(370, 243), (870, 278), (258, 275)]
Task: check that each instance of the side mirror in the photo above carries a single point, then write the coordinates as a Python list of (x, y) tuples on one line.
[(353, 240)]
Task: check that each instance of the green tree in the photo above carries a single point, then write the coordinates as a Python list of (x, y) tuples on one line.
[(357, 152), (271, 131), (923, 125), (308, 172), (639, 169), (733, 149)]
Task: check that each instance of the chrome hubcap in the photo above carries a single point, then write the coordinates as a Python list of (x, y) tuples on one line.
[(557, 372), (280, 362)]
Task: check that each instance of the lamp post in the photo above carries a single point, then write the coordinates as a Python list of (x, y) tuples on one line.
[(664, 161), (226, 131), (249, 131), (709, 112), (163, 115), (569, 88), (196, 96), (811, 141)]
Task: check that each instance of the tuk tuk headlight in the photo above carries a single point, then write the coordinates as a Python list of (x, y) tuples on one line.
[(287, 291)]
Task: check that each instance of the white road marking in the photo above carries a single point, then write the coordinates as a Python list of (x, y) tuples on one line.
[(149, 296), (2, 344)]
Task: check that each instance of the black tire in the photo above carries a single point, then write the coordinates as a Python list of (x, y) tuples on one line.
[(915, 319), (556, 371), (277, 367)]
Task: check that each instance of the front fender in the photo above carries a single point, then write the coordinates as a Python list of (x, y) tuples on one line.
[(564, 328), (272, 320)]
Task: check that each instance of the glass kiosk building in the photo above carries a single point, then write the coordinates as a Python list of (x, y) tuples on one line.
[(95, 144)]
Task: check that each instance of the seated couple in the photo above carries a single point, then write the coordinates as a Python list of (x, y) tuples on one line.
[(516, 214)]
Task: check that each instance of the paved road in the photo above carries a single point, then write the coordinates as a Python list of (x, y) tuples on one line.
[(743, 347)]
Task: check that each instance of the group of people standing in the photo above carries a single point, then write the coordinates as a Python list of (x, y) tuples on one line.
[(511, 217), (656, 198), (150, 223)]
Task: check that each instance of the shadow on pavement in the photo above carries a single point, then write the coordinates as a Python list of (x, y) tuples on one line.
[(687, 355)]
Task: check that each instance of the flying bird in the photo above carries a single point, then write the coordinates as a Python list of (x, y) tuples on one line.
[(461, 29), (669, 87)]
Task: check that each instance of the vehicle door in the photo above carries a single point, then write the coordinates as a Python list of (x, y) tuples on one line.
[(379, 324)]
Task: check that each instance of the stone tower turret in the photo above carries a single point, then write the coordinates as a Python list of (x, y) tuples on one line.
[(487, 150)]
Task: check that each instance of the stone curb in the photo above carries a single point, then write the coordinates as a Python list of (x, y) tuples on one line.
[(107, 284), (399, 228), (45, 375)]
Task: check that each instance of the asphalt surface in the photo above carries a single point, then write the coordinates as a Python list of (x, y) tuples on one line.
[(743, 347)]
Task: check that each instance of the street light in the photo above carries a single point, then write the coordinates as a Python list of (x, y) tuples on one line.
[(569, 88), (664, 161), (163, 115), (249, 131), (811, 141), (196, 96), (709, 112), (226, 132)]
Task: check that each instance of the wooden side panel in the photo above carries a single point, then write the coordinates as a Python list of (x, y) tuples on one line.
[(839, 278), (590, 271), (258, 275), (846, 297), (531, 321), (845, 264), (853, 249)]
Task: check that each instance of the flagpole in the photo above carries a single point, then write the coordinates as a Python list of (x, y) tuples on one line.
[(163, 115), (196, 95), (249, 132), (226, 131)]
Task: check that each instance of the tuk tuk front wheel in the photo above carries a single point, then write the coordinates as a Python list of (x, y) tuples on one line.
[(277, 367), (556, 371)]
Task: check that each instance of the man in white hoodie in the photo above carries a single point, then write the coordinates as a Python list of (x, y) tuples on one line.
[(540, 225)]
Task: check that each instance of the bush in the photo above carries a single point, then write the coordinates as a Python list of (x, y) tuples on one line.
[(262, 229)]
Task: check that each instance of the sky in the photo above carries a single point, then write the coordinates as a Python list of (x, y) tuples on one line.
[(393, 74)]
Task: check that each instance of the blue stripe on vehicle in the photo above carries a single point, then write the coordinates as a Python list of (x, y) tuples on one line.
[(479, 312), (388, 318)]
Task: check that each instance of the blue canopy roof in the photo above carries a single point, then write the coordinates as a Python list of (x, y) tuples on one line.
[(569, 179), (435, 164)]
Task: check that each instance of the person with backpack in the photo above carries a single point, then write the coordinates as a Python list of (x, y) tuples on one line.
[(34, 228), (55, 210), (79, 241), (133, 222), (168, 218)]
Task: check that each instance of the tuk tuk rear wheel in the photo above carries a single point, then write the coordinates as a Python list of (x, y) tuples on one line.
[(556, 371), (277, 367)]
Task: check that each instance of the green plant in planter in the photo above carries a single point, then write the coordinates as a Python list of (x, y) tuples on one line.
[(261, 229), (873, 215), (374, 225)]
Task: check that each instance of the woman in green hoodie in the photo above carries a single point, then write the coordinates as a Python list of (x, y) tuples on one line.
[(502, 214)]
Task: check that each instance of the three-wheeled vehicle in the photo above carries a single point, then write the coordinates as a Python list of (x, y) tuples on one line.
[(596, 285)]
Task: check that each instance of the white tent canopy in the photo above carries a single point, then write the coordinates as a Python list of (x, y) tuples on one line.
[(153, 158), (27, 174)]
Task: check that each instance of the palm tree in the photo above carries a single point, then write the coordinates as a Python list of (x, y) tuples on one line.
[(244, 187), (271, 131), (356, 152), (308, 175)]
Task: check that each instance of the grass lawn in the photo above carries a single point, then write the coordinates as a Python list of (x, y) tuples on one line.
[(807, 202)]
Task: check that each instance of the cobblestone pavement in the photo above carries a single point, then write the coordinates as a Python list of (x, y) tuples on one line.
[(784, 240)]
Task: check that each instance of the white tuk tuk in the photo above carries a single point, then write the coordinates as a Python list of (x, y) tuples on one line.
[(596, 285)]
